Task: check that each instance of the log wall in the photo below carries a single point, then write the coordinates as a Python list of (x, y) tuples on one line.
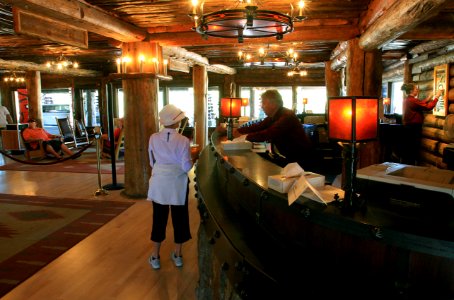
[(434, 139)]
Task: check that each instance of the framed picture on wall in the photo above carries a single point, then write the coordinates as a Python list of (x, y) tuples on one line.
[(441, 81)]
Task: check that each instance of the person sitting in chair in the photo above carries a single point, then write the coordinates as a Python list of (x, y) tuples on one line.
[(52, 143), (105, 137)]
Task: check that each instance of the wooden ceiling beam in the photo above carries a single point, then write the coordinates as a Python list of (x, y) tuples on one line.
[(320, 33), (181, 54), (19, 65), (83, 15), (401, 17)]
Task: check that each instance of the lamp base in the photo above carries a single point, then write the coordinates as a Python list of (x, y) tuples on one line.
[(230, 129)]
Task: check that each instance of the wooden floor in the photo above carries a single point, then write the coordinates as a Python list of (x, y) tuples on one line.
[(112, 262)]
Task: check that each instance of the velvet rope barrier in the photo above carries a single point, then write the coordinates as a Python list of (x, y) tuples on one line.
[(28, 162)]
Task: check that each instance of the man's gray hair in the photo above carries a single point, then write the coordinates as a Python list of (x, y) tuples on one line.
[(273, 96)]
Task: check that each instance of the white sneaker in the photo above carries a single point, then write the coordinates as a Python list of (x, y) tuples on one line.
[(154, 262), (178, 260)]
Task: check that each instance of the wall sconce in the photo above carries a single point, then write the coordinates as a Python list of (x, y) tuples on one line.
[(352, 120), (230, 109)]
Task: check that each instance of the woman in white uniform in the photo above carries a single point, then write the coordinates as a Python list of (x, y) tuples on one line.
[(170, 160)]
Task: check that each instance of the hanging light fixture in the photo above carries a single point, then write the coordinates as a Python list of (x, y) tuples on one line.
[(266, 57), (246, 20), (13, 79), (62, 63)]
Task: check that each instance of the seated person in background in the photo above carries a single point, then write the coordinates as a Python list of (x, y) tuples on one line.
[(51, 143), (284, 130), (117, 130)]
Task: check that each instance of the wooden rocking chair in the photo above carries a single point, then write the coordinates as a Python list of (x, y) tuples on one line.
[(30, 152)]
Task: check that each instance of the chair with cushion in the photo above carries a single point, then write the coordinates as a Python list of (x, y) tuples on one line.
[(70, 138), (119, 143), (81, 132)]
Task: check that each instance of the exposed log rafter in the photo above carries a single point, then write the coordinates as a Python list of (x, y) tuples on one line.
[(404, 15)]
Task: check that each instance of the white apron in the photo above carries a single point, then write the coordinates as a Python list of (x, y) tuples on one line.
[(168, 185)]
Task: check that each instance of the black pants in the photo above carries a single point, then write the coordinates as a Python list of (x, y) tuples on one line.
[(55, 143), (412, 135), (180, 221)]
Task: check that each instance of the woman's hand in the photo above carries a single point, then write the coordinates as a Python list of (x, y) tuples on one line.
[(439, 93)]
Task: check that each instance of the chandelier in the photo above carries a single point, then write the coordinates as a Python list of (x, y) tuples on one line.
[(13, 79), (62, 63), (244, 21), (285, 59)]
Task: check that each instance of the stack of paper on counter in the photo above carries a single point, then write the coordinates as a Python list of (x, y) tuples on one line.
[(238, 143)]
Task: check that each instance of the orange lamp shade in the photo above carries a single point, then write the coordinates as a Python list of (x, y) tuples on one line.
[(353, 119), (386, 101), (244, 101), (304, 100), (231, 107)]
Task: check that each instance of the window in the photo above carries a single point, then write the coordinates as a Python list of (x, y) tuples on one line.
[(254, 93), (121, 102), (183, 98), (91, 107), (316, 99), (56, 104), (397, 98)]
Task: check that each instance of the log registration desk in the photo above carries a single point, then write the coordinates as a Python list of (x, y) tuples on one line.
[(252, 244)]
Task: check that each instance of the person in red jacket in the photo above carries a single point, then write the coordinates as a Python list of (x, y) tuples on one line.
[(413, 118), (51, 143), (283, 129)]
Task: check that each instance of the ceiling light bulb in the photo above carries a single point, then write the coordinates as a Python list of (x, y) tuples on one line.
[(261, 51), (76, 65)]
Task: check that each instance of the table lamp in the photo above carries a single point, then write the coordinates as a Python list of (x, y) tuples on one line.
[(351, 120), (230, 109), (304, 105), (244, 103)]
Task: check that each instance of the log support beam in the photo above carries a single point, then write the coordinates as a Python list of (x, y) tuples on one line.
[(401, 17), (200, 83)]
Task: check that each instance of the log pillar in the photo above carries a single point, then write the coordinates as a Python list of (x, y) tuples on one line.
[(229, 86), (200, 83), (141, 115), (333, 81), (363, 78), (78, 103), (364, 71), (7, 100), (33, 84), (407, 72), (103, 105)]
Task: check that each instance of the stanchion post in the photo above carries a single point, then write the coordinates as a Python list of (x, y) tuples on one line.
[(100, 191)]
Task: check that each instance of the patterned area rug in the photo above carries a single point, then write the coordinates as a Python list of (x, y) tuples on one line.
[(36, 230), (86, 163)]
